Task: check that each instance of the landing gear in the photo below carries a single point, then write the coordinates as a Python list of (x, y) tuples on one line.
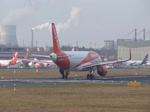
[(64, 73), (90, 75)]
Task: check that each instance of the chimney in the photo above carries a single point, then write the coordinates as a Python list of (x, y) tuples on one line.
[(32, 38)]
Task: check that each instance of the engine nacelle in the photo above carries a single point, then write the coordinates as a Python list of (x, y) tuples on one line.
[(102, 70), (53, 57)]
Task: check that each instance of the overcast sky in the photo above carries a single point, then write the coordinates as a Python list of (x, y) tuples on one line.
[(86, 22)]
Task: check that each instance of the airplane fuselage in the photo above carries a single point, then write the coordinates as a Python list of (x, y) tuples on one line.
[(4, 62), (77, 60)]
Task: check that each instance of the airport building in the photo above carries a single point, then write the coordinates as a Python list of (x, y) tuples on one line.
[(139, 48)]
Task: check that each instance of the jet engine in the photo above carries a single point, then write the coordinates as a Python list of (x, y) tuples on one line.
[(53, 57), (102, 70)]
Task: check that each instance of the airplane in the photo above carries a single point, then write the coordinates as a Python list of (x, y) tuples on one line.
[(5, 63), (131, 63), (35, 62), (148, 63), (24, 62), (68, 61), (41, 63)]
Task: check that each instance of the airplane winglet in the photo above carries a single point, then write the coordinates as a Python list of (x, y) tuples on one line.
[(130, 55)]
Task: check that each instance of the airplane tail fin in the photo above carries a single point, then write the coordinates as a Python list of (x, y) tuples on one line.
[(14, 59), (144, 61), (27, 55), (56, 46)]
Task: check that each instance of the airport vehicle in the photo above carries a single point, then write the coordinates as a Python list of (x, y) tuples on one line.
[(5, 63), (78, 60), (132, 63)]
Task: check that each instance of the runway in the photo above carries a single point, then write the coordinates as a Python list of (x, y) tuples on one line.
[(76, 80)]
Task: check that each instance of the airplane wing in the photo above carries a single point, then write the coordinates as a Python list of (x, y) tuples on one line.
[(107, 62), (40, 61), (104, 63), (44, 56)]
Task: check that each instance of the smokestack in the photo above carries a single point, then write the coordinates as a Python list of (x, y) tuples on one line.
[(32, 38), (135, 39), (143, 34)]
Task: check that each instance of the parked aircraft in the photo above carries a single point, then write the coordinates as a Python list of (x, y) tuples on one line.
[(41, 63), (9, 62), (148, 63), (24, 62), (35, 62), (78, 60), (131, 63)]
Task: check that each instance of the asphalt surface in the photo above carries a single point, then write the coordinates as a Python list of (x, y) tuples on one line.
[(76, 80)]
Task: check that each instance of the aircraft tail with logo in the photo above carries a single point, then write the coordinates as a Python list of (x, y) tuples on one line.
[(144, 61)]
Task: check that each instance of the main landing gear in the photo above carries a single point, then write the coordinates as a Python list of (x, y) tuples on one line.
[(90, 75), (64, 73)]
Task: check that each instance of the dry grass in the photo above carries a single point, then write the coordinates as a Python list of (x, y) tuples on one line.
[(76, 98)]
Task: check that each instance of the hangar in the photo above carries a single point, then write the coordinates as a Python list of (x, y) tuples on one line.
[(139, 48)]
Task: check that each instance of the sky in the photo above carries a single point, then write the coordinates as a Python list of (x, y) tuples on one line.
[(79, 22)]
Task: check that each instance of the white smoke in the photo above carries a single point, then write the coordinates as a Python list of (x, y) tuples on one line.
[(74, 14), (42, 26)]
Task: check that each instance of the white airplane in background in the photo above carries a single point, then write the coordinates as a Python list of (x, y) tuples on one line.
[(9, 62), (35, 62), (41, 63), (131, 63), (148, 63), (78, 60)]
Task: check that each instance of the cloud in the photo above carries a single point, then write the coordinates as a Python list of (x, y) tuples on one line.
[(74, 15), (17, 15)]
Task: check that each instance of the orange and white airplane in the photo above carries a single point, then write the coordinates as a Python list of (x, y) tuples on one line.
[(78, 60), (9, 62), (25, 61)]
